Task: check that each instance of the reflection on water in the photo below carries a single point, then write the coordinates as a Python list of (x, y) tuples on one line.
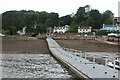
[(31, 66)]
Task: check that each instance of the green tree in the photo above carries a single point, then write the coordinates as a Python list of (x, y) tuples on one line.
[(52, 19), (41, 28), (107, 17), (94, 19), (80, 14), (65, 20), (43, 17)]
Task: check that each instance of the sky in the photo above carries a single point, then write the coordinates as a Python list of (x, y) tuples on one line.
[(62, 7)]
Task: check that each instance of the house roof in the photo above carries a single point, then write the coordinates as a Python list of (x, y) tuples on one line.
[(84, 27), (61, 27), (109, 26)]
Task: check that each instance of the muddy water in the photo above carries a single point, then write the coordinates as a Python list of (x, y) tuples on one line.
[(31, 66)]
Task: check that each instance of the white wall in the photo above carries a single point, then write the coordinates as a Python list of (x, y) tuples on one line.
[(82, 30), (61, 29)]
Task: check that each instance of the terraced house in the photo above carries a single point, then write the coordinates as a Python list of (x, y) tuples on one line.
[(61, 29), (84, 29)]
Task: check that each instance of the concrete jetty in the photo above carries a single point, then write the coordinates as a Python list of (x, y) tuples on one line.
[(82, 67)]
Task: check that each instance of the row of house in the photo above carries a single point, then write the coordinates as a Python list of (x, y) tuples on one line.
[(87, 29), (83, 29), (61, 29), (65, 28)]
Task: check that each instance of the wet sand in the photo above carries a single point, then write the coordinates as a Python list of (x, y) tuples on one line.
[(23, 58), (24, 46), (89, 45)]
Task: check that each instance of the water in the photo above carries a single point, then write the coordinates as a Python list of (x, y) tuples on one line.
[(31, 66)]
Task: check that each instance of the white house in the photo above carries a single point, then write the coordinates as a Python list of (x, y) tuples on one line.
[(1, 35), (23, 32), (62, 29), (84, 30)]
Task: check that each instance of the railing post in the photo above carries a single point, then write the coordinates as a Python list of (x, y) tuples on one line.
[(81, 55), (105, 65), (114, 68), (93, 61), (85, 55)]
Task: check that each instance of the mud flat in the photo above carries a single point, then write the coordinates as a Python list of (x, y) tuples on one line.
[(24, 46), (89, 45), (26, 58)]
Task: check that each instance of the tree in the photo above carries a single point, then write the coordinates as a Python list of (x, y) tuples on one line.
[(107, 17), (43, 17), (94, 19), (79, 16), (87, 8), (85, 16), (65, 20), (41, 28), (52, 19)]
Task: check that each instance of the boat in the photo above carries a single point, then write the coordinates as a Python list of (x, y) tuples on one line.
[(117, 64), (114, 35)]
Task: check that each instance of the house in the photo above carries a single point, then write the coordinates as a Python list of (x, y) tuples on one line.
[(61, 29), (2, 35), (84, 29), (109, 27), (22, 32), (114, 27)]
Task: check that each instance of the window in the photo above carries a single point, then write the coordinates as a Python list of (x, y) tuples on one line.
[(83, 29)]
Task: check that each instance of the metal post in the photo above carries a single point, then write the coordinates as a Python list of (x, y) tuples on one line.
[(105, 66), (81, 55), (106, 62), (93, 61), (114, 67), (85, 56)]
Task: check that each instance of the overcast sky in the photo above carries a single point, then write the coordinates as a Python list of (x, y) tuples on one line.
[(62, 7)]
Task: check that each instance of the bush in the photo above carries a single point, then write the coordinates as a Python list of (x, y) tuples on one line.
[(102, 32), (6, 32), (72, 29)]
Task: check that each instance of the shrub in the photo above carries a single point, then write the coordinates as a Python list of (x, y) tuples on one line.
[(6, 32), (102, 32)]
